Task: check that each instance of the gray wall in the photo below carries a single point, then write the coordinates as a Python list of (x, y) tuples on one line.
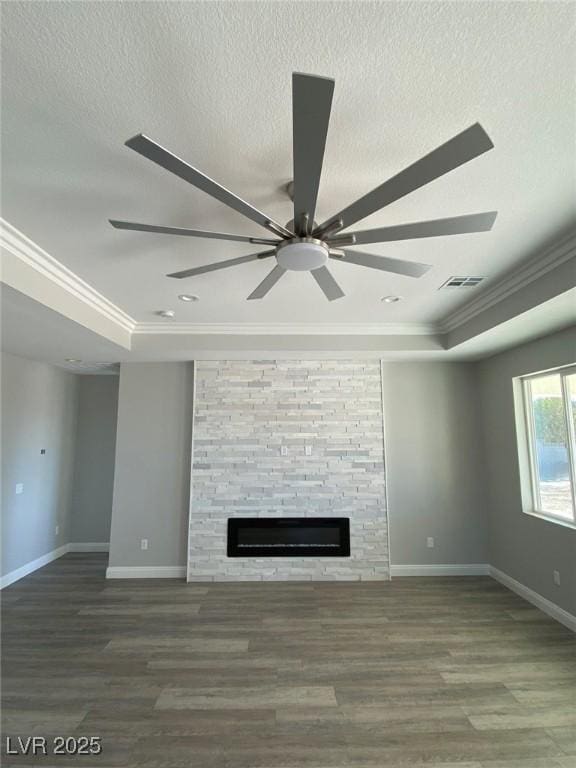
[(94, 461), (524, 547), (435, 481), (38, 411), (452, 467), (152, 476), (434, 464), (245, 413)]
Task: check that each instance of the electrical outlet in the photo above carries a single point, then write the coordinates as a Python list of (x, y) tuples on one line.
[(57, 530), (308, 450), (556, 577), (284, 450), (430, 542), (143, 543), (19, 488)]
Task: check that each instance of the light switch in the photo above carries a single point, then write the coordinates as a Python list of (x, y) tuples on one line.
[(284, 450), (19, 488), (308, 450)]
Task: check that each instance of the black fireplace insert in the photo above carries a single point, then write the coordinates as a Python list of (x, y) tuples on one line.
[(289, 537)]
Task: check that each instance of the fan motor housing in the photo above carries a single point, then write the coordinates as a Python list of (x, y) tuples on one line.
[(302, 254)]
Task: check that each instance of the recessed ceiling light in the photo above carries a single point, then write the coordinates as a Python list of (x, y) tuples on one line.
[(166, 313), (391, 299), (72, 360), (188, 297)]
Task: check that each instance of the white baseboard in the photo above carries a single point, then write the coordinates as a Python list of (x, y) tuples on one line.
[(24, 570), (448, 569), (89, 546), (32, 566), (545, 605), (146, 572), (179, 572)]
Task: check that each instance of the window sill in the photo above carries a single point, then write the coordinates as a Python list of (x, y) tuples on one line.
[(550, 519)]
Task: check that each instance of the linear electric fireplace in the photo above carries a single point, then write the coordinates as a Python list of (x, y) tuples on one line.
[(289, 537)]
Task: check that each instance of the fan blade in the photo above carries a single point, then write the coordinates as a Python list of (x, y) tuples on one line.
[(149, 149), (311, 104), (269, 282), (457, 225), (220, 265), (324, 278), (465, 146), (132, 225), (384, 263)]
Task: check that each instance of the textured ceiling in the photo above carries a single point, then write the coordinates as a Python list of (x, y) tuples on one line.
[(211, 82)]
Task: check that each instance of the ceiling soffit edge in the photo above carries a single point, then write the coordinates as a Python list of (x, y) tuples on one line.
[(538, 266), (16, 243), (20, 246)]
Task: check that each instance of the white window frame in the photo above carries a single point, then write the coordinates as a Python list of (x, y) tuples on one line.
[(527, 444)]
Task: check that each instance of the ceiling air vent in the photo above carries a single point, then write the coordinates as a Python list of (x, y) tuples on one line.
[(462, 282)]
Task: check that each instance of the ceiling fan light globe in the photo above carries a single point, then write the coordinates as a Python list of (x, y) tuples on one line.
[(302, 254)]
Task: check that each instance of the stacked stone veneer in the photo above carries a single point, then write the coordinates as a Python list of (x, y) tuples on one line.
[(244, 412)]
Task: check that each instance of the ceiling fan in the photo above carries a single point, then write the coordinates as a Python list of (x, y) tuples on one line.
[(302, 244)]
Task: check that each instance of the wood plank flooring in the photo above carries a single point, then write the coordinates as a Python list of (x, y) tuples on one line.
[(444, 672)]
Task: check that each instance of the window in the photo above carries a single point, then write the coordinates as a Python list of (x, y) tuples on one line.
[(549, 404)]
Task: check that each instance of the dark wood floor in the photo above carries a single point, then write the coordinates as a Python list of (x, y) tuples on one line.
[(444, 672)]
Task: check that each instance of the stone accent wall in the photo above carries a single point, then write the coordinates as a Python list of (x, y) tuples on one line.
[(244, 412)]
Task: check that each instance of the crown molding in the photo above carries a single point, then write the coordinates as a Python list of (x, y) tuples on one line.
[(27, 251), (16, 243), (170, 328), (33, 256), (553, 257)]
